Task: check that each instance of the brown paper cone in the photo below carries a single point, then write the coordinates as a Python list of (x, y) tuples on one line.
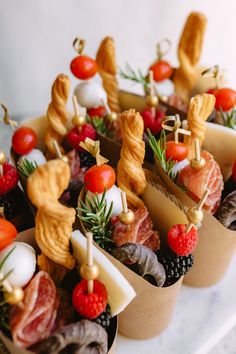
[(152, 309), (217, 244), (28, 237)]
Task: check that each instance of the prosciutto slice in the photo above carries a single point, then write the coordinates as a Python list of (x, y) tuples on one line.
[(35, 320), (140, 231), (196, 182)]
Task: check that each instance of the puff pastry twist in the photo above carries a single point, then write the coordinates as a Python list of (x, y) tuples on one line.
[(130, 175)]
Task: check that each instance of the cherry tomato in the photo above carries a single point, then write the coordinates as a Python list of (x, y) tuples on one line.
[(97, 179), (176, 152), (83, 67), (97, 112), (225, 99), (7, 233), (24, 140), (161, 70), (234, 171)]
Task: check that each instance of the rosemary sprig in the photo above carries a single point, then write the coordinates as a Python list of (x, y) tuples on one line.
[(100, 125), (229, 118), (96, 218), (26, 167), (159, 149), (130, 74)]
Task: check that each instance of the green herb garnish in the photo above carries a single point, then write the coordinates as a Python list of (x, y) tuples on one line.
[(26, 167), (229, 119), (159, 149), (131, 75), (96, 219)]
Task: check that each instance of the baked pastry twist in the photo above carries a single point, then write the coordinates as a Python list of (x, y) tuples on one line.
[(189, 51), (106, 60), (130, 175), (56, 114), (53, 220), (200, 108)]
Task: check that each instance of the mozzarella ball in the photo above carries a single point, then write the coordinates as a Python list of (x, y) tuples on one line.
[(112, 195), (165, 87), (22, 262), (89, 94), (35, 155)]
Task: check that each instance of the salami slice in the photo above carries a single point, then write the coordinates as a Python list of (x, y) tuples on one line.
[(140, 231), (196, 182), (35, 320)]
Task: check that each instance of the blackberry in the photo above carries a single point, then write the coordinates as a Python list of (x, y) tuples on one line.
[(8, 201), (86, 160), (175, 266), (105, 318)]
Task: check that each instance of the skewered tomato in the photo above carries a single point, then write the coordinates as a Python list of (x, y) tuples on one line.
[(24, 140), (225, 99), (83, 67), (176, 151), (7, 233), (161, 70), (97, 179), (99, 111), (234, 172)]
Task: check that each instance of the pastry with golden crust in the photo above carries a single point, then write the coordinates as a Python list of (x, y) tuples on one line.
[(57, 114), (130, 175), (53, 220), (106, 60)]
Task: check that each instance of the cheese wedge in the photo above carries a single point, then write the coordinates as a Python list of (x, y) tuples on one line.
[(120, 292)]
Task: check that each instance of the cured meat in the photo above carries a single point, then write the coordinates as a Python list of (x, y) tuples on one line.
[(35, 320), (140, 231), (196, 182), (76, 172)]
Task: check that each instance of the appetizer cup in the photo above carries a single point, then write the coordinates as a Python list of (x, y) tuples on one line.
[(152, 309), (28, 237), (217, 244)]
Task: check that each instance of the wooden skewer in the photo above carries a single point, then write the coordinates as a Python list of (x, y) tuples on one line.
[(75, 105), (124, 202), (58, 151), (1, 170), (176, 129), (199, 208), (153, 110), (89, 236), (197, 149), (104, 103)]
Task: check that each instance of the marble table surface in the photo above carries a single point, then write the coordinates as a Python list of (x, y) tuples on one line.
[(204, 320)]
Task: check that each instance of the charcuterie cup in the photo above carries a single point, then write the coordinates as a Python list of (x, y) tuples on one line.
[(152, 309), (217, 244), (28, 237)]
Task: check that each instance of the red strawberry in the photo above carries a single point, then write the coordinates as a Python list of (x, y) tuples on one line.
[(89, 305), (9, 179), (152, 123), (180, 242), (99, 111), (76, 135)]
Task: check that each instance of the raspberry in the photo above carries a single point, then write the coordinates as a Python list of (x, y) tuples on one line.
[(180, 242), (75, 135), (152, 123), (9, 179), (89, 305)]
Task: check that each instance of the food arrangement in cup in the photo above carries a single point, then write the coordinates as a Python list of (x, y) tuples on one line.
[(108, 201), (53, 300)]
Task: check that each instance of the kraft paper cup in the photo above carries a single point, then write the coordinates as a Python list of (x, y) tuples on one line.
[(152, 309), (217, 244), (28, 237)]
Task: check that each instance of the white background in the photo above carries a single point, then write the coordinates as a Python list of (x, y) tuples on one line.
[(36, 39)]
